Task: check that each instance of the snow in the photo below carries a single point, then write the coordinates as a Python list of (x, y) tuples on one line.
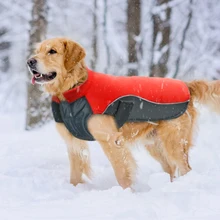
[(34, 180)]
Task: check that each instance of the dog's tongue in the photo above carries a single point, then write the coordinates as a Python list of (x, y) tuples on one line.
[(33, 80)]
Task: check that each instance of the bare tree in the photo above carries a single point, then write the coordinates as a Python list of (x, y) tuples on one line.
[(95, 36), (4, 47), (38, 107), (182, 43), (105, 34), (161, 38), (133, 31), (5, 41)]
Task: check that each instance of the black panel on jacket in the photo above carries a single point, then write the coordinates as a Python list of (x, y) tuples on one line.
[(75, 116), (134, 109), (56, 112)]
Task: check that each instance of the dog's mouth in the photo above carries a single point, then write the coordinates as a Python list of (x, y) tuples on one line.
[(42, 78)]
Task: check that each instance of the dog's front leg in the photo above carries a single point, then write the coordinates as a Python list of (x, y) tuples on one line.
[(78, 153), (122, 162), (104, 130)]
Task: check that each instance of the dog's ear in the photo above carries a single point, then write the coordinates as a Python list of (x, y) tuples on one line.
[(73, 54)]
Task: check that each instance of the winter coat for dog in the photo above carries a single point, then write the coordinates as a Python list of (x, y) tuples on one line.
[(127, 99)]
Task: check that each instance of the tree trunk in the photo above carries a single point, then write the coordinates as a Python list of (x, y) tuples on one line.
[(106, 37), (5, 42), (182, 43), (38, 107), (160, 40), (4, 51), (133, 31), (95, 36)]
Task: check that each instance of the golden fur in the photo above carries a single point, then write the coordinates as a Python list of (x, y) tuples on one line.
[(167, 141)]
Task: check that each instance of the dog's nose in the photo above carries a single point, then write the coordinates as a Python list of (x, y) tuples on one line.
[(32, 62)]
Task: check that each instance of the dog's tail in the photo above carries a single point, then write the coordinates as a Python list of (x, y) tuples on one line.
[(206, 93)]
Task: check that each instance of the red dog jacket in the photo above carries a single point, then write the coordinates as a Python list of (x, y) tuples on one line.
[(128, 99)]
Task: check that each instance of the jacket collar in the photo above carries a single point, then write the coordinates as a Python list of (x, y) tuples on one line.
[(77, 92)]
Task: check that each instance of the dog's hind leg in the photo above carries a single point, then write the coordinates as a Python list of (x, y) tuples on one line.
[(174, 137), (157, 152)]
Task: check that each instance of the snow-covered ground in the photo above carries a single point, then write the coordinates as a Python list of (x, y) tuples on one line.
[(34, 180)]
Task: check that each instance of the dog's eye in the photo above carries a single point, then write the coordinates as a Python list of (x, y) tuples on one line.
[(52, 51)]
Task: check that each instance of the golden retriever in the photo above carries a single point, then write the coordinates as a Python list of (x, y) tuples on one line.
[(59, 65)]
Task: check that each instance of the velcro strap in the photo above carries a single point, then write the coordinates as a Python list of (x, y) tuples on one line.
[(123, 112)]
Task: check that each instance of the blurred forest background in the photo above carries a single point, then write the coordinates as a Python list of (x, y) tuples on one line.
[(171, 38)]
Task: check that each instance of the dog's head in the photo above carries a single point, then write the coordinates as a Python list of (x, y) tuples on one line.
[(53, 60)]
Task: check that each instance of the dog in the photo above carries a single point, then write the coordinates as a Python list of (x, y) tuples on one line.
[(58, 64)]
